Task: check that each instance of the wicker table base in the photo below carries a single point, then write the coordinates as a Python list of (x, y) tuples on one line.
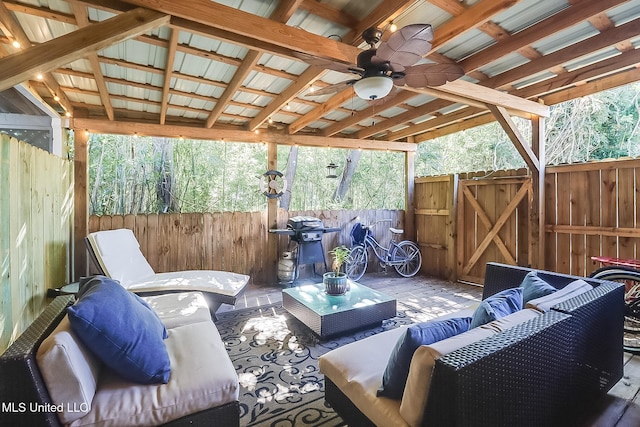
[(328, 315)]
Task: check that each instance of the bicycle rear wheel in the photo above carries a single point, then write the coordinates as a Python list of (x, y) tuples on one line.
[(631, 278), (357, 264), (406, 258)]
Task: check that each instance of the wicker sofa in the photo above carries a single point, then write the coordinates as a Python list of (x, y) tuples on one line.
[(543, 371), (202, 389)]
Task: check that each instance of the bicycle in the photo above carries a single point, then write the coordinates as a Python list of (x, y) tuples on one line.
[(631, 278), (403, 256)]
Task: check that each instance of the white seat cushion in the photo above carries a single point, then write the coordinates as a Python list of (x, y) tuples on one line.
[(357, 368), (70, 371), (202, 377), (178, 309)]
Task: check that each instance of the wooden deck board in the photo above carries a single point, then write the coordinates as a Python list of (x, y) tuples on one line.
[(423, 298)]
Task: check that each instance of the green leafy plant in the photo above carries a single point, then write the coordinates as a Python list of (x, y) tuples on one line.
[(341, 255)]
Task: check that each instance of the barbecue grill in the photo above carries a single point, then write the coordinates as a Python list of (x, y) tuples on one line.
[(307, 232)]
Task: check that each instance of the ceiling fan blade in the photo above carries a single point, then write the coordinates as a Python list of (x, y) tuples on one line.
[(329, 65), (424, 75), (406, 46), (334, 88)]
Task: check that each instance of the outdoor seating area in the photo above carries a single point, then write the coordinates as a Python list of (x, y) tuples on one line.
[(259, 213)]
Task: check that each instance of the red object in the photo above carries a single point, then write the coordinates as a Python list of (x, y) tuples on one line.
[(607, 261)]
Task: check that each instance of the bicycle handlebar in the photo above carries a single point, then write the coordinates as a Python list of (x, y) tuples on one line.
[(377, 222)]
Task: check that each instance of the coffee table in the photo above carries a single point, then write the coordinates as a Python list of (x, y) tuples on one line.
[(328, 315)]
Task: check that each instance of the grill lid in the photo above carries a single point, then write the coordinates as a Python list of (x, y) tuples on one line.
[(304, 223)]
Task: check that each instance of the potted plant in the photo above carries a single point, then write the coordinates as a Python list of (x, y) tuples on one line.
[(335, 282)]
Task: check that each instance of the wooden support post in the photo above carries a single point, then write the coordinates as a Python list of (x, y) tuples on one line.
[(538, 214), (272, 218), (409, 209), (452, 206), (80, 203)]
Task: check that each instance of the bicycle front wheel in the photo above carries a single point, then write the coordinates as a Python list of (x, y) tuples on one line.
[(406, 258), (631, 278), (357, 264)]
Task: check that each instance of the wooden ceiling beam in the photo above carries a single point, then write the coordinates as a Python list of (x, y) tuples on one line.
[(171, 131), (236, 81), (581, 75), (326, 107), (436, 122), (13, 28), (606, 83), (603, 40), (472, 17), (249, 25), (455, 127), (358, 116), (42, 12), (310, 75), (558, 22), (62, 50), (325, 11), (82, 20), (168, 72), (516, 137)]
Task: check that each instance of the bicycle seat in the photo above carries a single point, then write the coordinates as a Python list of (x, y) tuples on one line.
[(396, 230)]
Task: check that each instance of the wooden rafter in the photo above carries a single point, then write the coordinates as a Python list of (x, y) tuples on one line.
[(558, 22), (48, 56), (82, 20), (384, 11), (603, 40), (168, 73), (12, 27), (475, 16)]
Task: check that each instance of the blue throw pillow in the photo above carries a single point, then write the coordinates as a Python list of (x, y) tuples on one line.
[(496, 306), (534, 287), (124, 334), (397, 370)]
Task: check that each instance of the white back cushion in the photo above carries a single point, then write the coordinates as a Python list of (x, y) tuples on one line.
[(544, 304), (69, 370), (119, 255)]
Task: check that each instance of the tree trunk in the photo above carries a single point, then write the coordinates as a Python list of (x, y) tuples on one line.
[(353, 158), (290, 175), (164, 169)]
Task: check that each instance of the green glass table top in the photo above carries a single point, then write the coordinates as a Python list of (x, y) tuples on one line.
[(314, 297)]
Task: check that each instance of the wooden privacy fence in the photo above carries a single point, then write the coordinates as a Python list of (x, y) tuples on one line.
[(591, 209), (36, 219), (232, 241)]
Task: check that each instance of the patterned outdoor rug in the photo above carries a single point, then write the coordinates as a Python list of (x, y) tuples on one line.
[(276, 358)]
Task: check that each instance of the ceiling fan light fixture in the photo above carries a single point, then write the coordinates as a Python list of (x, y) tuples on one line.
[(374, 87)]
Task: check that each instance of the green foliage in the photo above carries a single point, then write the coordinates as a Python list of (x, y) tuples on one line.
[(600, 126)]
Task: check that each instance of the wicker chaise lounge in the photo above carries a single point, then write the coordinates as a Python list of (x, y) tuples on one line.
[(116, 253)]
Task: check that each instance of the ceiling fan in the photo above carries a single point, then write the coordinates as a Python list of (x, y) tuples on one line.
[(392, 63)]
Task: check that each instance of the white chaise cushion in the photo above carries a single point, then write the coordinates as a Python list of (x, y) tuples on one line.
[(357, 368), (202, 377), (118, 253), (179, 309), (70, 371), (219, 282), (573, 289)]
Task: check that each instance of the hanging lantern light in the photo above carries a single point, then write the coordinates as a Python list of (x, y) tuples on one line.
[(331, 170)]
